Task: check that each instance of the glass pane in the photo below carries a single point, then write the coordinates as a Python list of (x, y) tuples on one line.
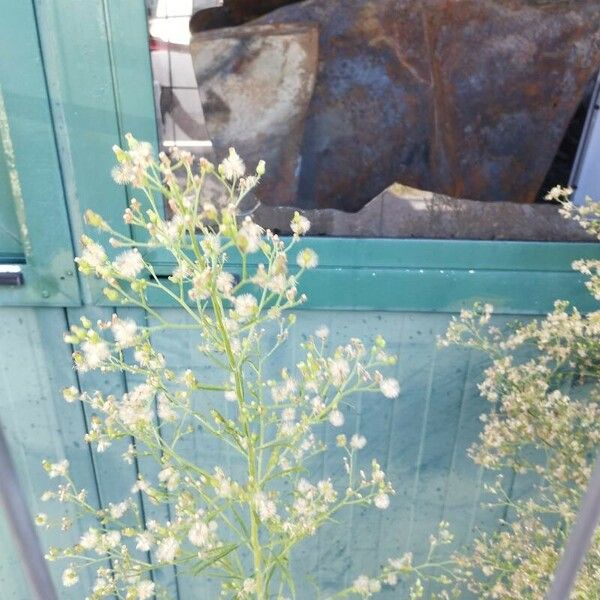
[(247, 86), (177, 93), (353, 108)]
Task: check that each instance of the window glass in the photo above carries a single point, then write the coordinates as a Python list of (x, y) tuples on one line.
[(382, 119)]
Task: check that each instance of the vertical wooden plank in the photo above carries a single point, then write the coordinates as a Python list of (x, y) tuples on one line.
[(128, 36), (313, 560), (438, 438), (374, 421), (77, 61), (114, 476), (28, 151), (10, 235), (12, 579), (38, 423), (148, 468), (414, 343), (180, 350), (462, 498)]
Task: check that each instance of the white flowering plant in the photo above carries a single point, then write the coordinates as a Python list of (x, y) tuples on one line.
[(544, 385), (240, 526)]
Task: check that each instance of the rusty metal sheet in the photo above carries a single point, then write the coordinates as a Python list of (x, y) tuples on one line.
[(469, 98), (255, 84)]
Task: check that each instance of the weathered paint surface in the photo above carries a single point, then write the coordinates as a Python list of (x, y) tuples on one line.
[(10, 238), (28, 153), (421, 438), (255, 85), (34, 366)]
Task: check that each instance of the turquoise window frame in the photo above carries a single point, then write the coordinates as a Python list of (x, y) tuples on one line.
[(29, 156), (100, 101)]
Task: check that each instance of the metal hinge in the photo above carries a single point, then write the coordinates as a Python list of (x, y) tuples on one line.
[(11, 275)]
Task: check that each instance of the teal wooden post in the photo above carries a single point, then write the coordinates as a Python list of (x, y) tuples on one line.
[(14, 503)]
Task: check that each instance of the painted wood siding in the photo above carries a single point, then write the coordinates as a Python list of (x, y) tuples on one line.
[(421, 438), (34, 366)]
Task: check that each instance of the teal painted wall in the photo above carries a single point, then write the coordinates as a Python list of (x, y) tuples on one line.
[(421, 438)]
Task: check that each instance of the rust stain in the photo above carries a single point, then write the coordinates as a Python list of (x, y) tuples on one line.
[(467, 98)]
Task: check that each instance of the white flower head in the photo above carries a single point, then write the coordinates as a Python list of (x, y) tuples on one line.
[(336, 418), (202, 534), (169, 477), (249, 236), (233, 166), (300, 225), (222, 484), (41, 519), (382, 501), (202, 281), (339, 370), (93, 254), (167, 550), (129, 263), (317, 405), (124, 331), (165, 409), (111, 539), (144, 541), (327, 490), (135, 409), (139, 152), (558, 192), (145, 589), (123, 174), (70, 394), (230, 395), (90, 539), (94, 353), (225, 283), (59, 469), (245, 306), (358, 442), (211, 243), (265, 507), (307, 259), (322, 332), (249, 586), (390, 387), (119, 509), (366, 587), (69, 577)]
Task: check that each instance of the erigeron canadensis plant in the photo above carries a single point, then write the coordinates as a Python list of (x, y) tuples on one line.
[(543, 382), (243, 526)]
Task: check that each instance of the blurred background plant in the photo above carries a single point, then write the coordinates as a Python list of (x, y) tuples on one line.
[(543, 383)]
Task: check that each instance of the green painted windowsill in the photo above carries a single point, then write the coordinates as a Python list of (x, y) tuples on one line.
[(429, 275)]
